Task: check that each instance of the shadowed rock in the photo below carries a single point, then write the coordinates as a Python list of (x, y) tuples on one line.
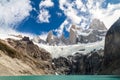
[(112, 50)]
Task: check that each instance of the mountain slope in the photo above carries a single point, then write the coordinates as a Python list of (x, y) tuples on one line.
[(16, 62)]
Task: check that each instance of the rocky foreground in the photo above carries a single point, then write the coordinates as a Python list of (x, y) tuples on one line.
[(23, 57)]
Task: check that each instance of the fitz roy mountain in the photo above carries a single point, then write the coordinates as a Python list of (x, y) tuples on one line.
[(86, 51), (95, 33)]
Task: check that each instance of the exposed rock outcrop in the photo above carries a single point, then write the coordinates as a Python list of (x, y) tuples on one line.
[(112, 50)]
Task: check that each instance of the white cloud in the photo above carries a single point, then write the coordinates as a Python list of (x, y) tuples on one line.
[(108, 15), (61, 28), (46, 3), (43, 36), (12, 12), (81, 14), (5, 32), (70, 11), (44, 15)]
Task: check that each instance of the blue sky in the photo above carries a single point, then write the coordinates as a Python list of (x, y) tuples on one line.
[(31, 25), (40, 16)]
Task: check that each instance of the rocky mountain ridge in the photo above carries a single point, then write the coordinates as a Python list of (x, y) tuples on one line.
[(95, 33)]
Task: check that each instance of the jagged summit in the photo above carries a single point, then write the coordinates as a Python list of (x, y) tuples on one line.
[(73, 34), (50, 37), (77, 35), (96, 24)]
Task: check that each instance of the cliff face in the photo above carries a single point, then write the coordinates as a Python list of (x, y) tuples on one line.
[(22, 57), (79, 63), (112, 49)]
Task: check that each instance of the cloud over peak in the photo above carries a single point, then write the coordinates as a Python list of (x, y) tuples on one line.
[(81, 13), (78, 12)]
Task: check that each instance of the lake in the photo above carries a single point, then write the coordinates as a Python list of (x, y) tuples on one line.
[(59, 77)]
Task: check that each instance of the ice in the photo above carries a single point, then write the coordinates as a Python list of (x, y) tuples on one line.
[(64, 51)]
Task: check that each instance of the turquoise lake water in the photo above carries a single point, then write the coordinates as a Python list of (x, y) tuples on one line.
[(74, 77)]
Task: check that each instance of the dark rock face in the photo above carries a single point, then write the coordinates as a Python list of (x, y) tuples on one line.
[(79, 63), (112, 50), (61, 65)]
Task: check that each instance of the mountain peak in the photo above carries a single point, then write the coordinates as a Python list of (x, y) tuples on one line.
[(72, 36), (50, 37), (96, 24)]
